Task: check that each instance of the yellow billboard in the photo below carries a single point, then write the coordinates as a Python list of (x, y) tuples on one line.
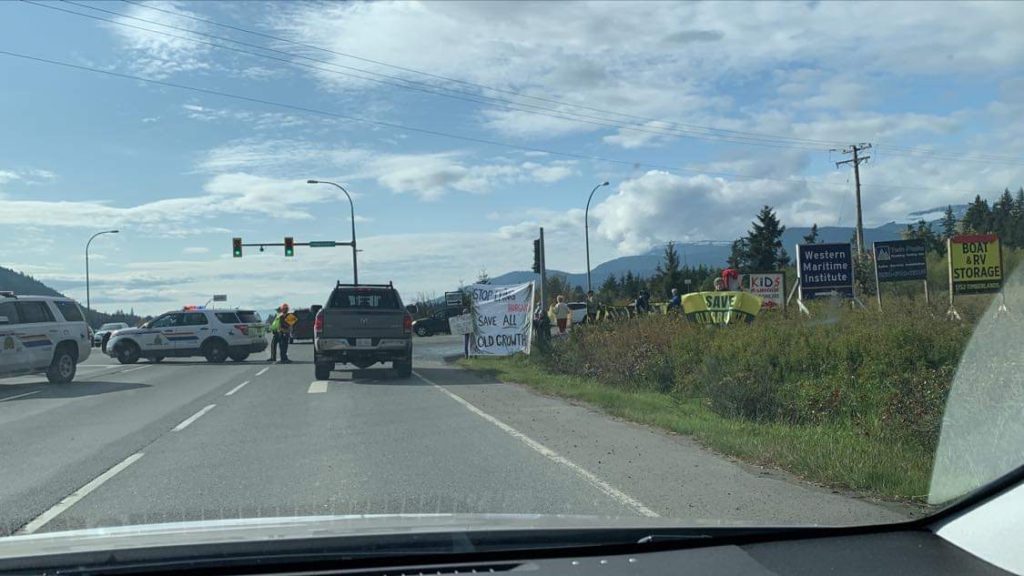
[(975, 264)]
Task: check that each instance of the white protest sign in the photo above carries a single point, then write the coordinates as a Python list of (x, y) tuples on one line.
[(462, 324), (771, 287), (502, 325)]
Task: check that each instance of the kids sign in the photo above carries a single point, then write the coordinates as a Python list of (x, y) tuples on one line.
[(771, 287), (975, 264)]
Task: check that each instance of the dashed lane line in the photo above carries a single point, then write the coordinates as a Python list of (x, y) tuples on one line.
[(185, 423)]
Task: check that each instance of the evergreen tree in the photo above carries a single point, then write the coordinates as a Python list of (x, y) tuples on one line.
[(764, 251), (1016, 238), (812, 238), (948, 223), (978, 218), (668, 274), (609, 290), (739, 254), (1002, 215)]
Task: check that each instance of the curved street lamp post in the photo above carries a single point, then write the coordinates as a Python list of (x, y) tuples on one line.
[(586, 229), (88, 299), (352, 217)]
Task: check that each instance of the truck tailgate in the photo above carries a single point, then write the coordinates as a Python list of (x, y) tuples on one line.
[(363, 323)]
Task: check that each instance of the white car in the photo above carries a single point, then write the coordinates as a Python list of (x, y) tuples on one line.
[(42, 334), (216, 334), (579, 312), (108, 328)]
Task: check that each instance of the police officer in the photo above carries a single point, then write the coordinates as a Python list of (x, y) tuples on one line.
[(275, 323), (284, 333)]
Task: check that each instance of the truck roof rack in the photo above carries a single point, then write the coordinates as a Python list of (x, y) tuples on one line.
[(390, 284)]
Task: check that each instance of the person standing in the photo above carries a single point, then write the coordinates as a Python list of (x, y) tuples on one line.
[(562, 313), (284, 333), (591, 306), (675, 303), (465, 337), (275, 323)]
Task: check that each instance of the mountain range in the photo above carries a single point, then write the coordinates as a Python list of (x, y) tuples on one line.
[(701, 253)]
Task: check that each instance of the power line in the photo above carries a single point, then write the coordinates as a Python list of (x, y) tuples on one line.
[(899, 150), (855, 149), (402, 127), (772, 142)]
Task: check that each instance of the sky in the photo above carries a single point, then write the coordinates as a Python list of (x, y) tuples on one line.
[(461, 128)]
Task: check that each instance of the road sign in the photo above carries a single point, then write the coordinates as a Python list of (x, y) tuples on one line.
[(771, 287), (220, 297), (901, 260), (323, 244), (291, 319), (975, 264), (824, 269), (453, 299)]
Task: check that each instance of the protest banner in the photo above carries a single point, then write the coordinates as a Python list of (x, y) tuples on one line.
[(824, 269), (770, 287), (721, 307), (502, 319), (462, 324)]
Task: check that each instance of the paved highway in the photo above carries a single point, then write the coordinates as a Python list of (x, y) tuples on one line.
[(186, 440)]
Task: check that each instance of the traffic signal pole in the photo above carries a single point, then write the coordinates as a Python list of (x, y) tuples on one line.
[(543, 275)]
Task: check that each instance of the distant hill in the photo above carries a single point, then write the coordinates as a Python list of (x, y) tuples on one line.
[(701, 253), (24, 284)]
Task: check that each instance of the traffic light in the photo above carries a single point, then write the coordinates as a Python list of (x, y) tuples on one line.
[(536, 256), (236, 247), (289, 246)]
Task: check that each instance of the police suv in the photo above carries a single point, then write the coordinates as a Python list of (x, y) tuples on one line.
[(216, 334), (42, 334)]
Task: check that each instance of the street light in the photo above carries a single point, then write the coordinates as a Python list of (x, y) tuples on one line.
[(586, 230), (88, 301), (352, 210)]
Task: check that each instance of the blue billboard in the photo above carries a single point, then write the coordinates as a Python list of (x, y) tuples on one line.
[(901, 260), (824, 269)]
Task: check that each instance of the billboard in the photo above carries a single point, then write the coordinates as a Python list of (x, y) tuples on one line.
[(975, 264), (502, 319), (770, 287), (824, 269), (899, 260)]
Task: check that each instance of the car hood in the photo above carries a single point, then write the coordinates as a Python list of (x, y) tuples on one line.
[(306, 527)]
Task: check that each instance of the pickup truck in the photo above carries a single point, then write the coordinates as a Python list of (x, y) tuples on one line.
[(362, 324)]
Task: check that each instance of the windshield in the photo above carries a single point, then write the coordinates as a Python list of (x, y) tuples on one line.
[(701, 263)]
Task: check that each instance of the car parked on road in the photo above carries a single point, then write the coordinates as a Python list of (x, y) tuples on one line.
[(303, 328), (42, 335), (363, 324), (104, 330), (216, 334), (579, 312), (436, 323)]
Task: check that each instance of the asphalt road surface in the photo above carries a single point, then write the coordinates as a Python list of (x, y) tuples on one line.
[(188, 440)]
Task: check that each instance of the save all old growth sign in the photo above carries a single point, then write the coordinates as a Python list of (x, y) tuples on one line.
[(975, 264)]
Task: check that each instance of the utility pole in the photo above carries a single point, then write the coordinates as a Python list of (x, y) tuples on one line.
[(543, 274), (855, 149)]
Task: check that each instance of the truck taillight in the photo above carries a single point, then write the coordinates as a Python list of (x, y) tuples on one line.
[(318, 323), (407, 324)]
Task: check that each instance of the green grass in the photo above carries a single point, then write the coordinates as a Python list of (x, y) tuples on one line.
[(833, 454)]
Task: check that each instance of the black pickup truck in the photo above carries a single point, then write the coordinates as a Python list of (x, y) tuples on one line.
[(363, 324)]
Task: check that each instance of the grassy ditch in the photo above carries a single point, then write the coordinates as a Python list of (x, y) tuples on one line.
[(847, 398)]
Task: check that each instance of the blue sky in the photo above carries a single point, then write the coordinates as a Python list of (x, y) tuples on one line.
[(664, 100)]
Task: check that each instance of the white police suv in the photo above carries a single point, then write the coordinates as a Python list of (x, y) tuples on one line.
[(216, 334), (42, 334)]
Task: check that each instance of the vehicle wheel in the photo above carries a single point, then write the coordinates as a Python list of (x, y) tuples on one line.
[(403, 367), (128, 352), (239, 357), (62, 368), (323, 371), (156, 359), (422, 331), (216, 351)]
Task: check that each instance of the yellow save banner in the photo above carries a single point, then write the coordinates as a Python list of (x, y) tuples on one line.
[(975, 264), (721, 307)]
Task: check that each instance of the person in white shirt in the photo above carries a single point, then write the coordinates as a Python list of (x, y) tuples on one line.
[(562, 313)]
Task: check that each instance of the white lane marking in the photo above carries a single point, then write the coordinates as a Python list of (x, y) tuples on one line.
[(41, 520), (134, 369), (184, 423), (614, 493), (20, 395), (317, 387), (237, 388), (262, 372)]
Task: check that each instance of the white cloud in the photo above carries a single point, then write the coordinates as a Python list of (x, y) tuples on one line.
[(161, 55), (196, 250)]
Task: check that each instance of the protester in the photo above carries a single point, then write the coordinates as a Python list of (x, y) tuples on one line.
[(284, 333), (675, 303), (592, 306), (642, 302), (465, 337), (719, 285), (731, 279), (275, 323), (562, 312)]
